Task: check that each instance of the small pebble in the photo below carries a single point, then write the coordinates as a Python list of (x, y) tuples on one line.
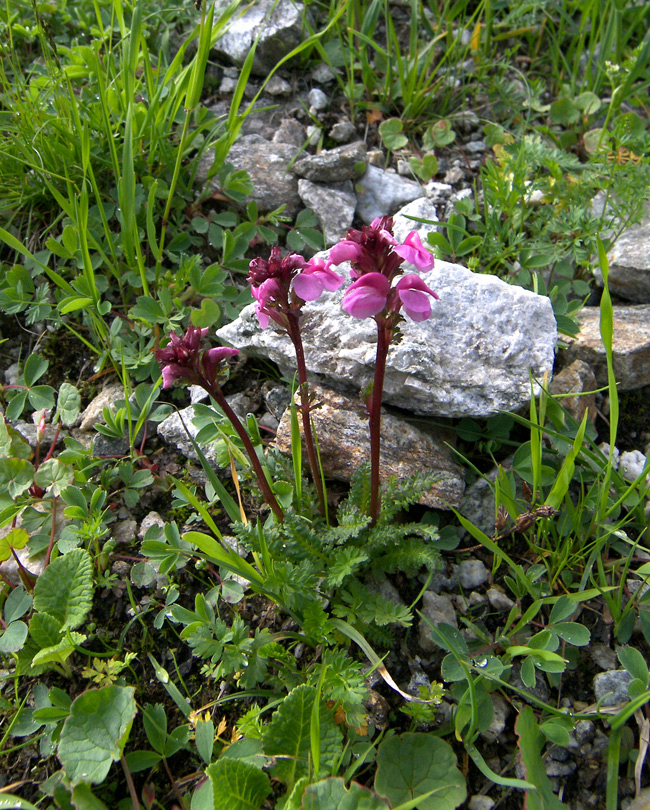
[(317, 99), (498, 600)]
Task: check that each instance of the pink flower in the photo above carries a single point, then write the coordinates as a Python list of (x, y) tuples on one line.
[(345, 251), (265, 295), (367, 296), (184, 359), (314, 278), (414, 252), (412, 292)]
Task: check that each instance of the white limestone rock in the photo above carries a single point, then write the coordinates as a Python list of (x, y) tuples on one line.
[(471, 358)]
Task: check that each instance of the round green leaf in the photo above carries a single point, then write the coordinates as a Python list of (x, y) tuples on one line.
[(15, 538), (13, 638), (413, 765), (573, 633), (68, 403), (94, 735), (16, 475), (54, 476)]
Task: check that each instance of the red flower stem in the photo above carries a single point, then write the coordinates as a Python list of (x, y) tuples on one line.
[(263, 484), (384, 335), (293, 329)]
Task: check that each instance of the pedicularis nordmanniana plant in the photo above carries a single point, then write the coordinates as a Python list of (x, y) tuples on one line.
[(280, 287)]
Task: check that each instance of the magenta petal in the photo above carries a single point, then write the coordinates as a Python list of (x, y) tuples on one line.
[(367, 296), (413, 251), (416, 305), (345, 251), (308, 286), (262, 315)]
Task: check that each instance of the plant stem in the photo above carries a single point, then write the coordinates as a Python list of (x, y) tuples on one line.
[(384, 334), (293, 330), (262, 482)]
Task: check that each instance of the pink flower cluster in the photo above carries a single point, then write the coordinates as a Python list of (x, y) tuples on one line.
[(185, 359), (281, 285)]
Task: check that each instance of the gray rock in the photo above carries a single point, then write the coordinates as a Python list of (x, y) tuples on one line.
[(603, 656), (629, 262), (584, 731), (499, 600), (481, 802), (437, 608), (110, 447), (343, 131), (332, 165), (124, 532), (471, 358), (277, 25), (149, 520), (342, 430), (381, 193), (575, 380), (611, 687), (290, 131), (631, 464), (418, 679), (29, 431), (323, 73), (438, 192), (478, 501), (454, 175), (555, 768), (267, 164), (277, 86), (472, 574), (92, 414), (631, 345), (317, 99), (333, 205), (276, 398), (475, 147), (174, 431), (12, 373)]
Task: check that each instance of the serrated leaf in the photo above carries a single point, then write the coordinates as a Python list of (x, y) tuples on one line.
[(237, 785), (288, 735), (45, 630), (413, 765), (94, 735), (65, 588), (331, 794), (58, 653)]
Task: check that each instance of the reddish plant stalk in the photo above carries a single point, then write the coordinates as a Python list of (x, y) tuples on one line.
[(384, 335), (293, 329), (263, 484)]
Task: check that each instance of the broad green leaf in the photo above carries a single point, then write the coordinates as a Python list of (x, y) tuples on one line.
[(58, 653), (237, 785), (634, 663), (41, 397), (413, 765), (556, 733), (54, 476), (391, 134), (83, 797), (331, 794), (531, 742), (17, 604), (573, 633), (562, 609), (68, 403), (65, 588), (94, 735), (289, 735), (5, 438), (15, 538), (204, 738), (16, 476), (45, 630), (34, 369), (13, 638), (154, 720)]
